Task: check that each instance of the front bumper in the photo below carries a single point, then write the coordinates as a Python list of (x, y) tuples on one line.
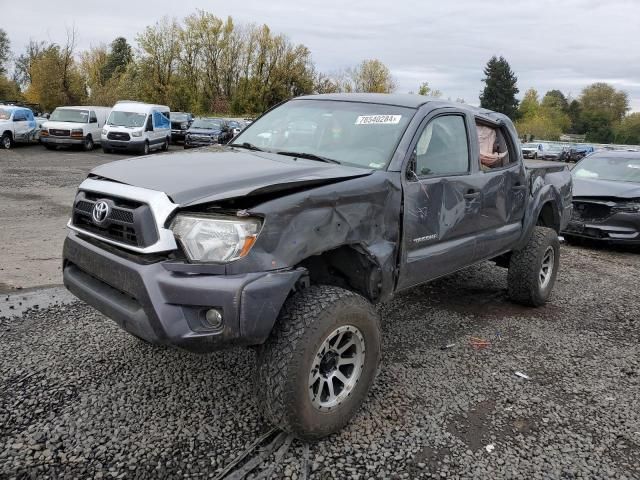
[(49, 140), (178, 135), (622, 228), (167, 307), (125, 145)]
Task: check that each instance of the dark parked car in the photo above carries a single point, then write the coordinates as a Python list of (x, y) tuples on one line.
[(236, 126), (180, 123), (578, 152), (606, 198), (207, 131), (352, 199)]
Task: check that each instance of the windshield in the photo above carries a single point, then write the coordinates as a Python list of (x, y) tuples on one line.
[(69, 115), (352, 133), (5, 114), (208, 124), (618, 169), (179, 117), (126, 119)]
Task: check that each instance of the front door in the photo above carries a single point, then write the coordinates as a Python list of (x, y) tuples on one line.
[(442, 200)]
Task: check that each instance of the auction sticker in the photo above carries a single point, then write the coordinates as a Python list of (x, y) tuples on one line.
[(378, 119)]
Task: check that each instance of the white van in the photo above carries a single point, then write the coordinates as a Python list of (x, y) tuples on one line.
[(137, 126), (74, 126)]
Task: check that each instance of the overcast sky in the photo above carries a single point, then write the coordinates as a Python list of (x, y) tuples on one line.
[(564, 44)]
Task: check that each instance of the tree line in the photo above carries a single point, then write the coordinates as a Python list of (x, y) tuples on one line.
[(599, 112), (205, 64)]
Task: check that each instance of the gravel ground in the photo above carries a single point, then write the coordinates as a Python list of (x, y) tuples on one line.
[(37, 187), (79, 398)]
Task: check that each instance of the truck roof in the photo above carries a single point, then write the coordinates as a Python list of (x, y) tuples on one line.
[(407, 100), (138, 107), (84, 107)]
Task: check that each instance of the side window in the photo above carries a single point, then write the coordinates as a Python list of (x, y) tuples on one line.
[(19, 116), (92, 117), (443, 147), (161, 120), (494, 149)]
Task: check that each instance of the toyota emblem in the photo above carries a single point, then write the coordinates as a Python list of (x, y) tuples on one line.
[(100, 212)]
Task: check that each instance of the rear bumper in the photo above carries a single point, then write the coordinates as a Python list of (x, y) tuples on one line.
[(167, 307)]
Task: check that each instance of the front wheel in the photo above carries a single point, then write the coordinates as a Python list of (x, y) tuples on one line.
[(88, 144), (533, 269), (316, 368), (6, 141), (165, 145), (145, 148)]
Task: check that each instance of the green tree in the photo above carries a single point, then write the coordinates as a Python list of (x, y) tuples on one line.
[(372, 76), (603, 101), (555, 99), (500, 89), (575, 111), (117, 59), (530, 104), (628, 132), (5, 51), (426, 90)]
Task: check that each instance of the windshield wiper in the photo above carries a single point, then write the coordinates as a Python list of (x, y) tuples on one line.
[(247, 145), (309, 156)]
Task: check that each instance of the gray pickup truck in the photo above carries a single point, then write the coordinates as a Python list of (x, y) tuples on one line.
[(286, 238)]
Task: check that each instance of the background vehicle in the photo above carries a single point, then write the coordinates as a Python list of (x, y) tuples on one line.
[(532, 150), (180, 123), (236, 126), (137, 126), (205, 131), (355, 197), (578, 152), (74, 126), (551, 152), (606, 199), (17, 125)]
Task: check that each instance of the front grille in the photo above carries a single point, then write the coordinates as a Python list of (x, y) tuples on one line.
[(120, 233), (590, 212), (129, 222), (205, 138), (59, 133), (123, 136)]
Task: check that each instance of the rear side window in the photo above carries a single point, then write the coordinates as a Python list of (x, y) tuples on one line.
[(161, 120), (19, 116), (92, 117), (443, 147), (494, 148)]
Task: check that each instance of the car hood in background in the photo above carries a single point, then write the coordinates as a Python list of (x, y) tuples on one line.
[(583, 187), (207, 175), (63, 125), (205, 131)]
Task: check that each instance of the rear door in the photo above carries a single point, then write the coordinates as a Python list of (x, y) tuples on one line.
[(442, 198), (20, 126)]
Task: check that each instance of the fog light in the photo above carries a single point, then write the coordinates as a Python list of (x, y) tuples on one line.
[(213, 318)]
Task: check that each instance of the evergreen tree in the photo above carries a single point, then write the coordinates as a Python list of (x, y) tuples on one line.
[(500, 89), (117, 59)]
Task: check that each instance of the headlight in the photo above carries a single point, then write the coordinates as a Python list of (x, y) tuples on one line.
[(630, 207), (104, 132), (136, 134), (77, 132), (208, 238)]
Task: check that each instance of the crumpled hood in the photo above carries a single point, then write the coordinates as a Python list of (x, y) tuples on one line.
[(211, 174), (583, 187)]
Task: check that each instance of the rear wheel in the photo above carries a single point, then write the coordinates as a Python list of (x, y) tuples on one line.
[(316, 368), (6, 141), (533, 269)]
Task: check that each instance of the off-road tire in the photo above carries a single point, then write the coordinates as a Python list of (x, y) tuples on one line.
[(525, 268), (284, 361), (4, 143)]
